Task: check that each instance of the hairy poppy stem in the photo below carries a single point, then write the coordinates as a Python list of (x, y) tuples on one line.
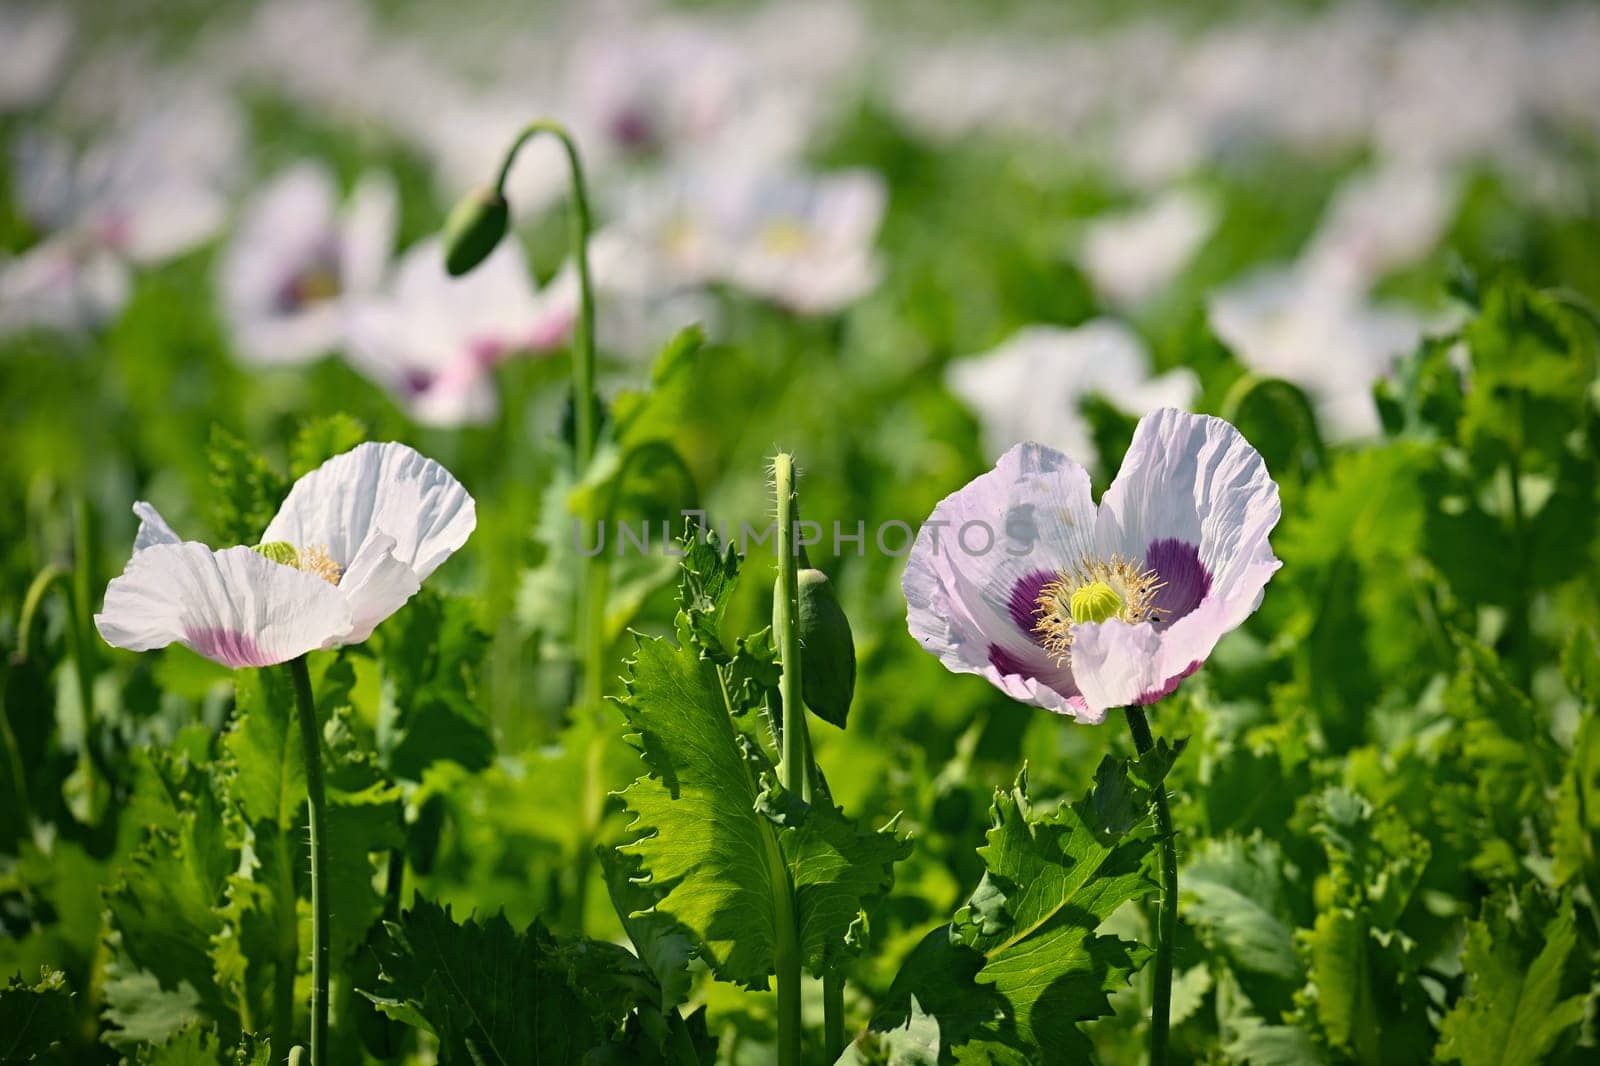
[(794, 771), (311, 740), (1167, 916)]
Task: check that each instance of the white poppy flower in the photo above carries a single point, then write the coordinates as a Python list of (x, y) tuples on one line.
[(1131, 256), (1380, 220), (804, 240), (1032, 386), (1312, 330), (151, 189), (354, 540), (296, 262), (1078, 607), (433, 341)]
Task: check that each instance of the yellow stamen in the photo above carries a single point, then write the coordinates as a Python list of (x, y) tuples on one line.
[(313, 560), (1094, 590)]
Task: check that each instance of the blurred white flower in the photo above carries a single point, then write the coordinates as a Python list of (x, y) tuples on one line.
[(151, 189), (1324, 336), (297, 262), (1033, 385), (433, 341), (804, 241), (34, 42), (1380, 220), (1131, 256)]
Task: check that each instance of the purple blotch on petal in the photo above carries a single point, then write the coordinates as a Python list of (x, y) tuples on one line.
[(1023, 603), (1007, 663), (1185, 578), (229, 648)]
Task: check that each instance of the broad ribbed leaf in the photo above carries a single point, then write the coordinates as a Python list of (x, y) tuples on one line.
[(712, 855)]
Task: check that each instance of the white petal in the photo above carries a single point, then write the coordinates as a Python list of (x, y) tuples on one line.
[(1194, 480), (970, 601), (233, 606), (376, 584), (368, 226), (153, 529), (377, 490)]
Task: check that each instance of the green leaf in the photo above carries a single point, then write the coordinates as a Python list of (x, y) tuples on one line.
[(712, 858), (661, 944), (1527, 987), (34, 1018), (915, 1043), (246, 489), (320, 439), (711, 854), (1232, 894), (200, 1046), (164, 903), (429, 706), (1014, 976), (492, 995)]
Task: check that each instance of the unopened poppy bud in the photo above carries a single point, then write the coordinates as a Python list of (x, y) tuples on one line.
[(475, 225), (827, 650)]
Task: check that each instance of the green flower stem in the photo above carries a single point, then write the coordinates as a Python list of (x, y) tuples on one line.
[(590, 622), (288, 945), (583, 328), (1167, 917), (833, 1014), (96, 775), (794, 770), (311, 740)]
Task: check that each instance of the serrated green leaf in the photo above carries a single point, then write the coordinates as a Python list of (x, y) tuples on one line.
[(164, 904), (492, 995), (1231, 893), (1014, 976), (34, 1018), (703, 841), (246, 490), (1527, 991), (320, 439)]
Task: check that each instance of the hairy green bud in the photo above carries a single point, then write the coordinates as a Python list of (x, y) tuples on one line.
[(475, 225), (827, 650)]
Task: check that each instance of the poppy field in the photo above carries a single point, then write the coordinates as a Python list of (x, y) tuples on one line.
[(799, 533)]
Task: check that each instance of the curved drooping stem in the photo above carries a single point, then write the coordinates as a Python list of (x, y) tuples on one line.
[(311, 741), (1167, 916), (583, 327), (589, 628)]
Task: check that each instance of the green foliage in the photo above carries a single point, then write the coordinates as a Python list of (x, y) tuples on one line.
[(245, 489), (1021, 964), (492, 995), (34, 1018), (1527, 988)]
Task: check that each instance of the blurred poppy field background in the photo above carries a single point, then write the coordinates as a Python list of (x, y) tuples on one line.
[(893, 240)]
